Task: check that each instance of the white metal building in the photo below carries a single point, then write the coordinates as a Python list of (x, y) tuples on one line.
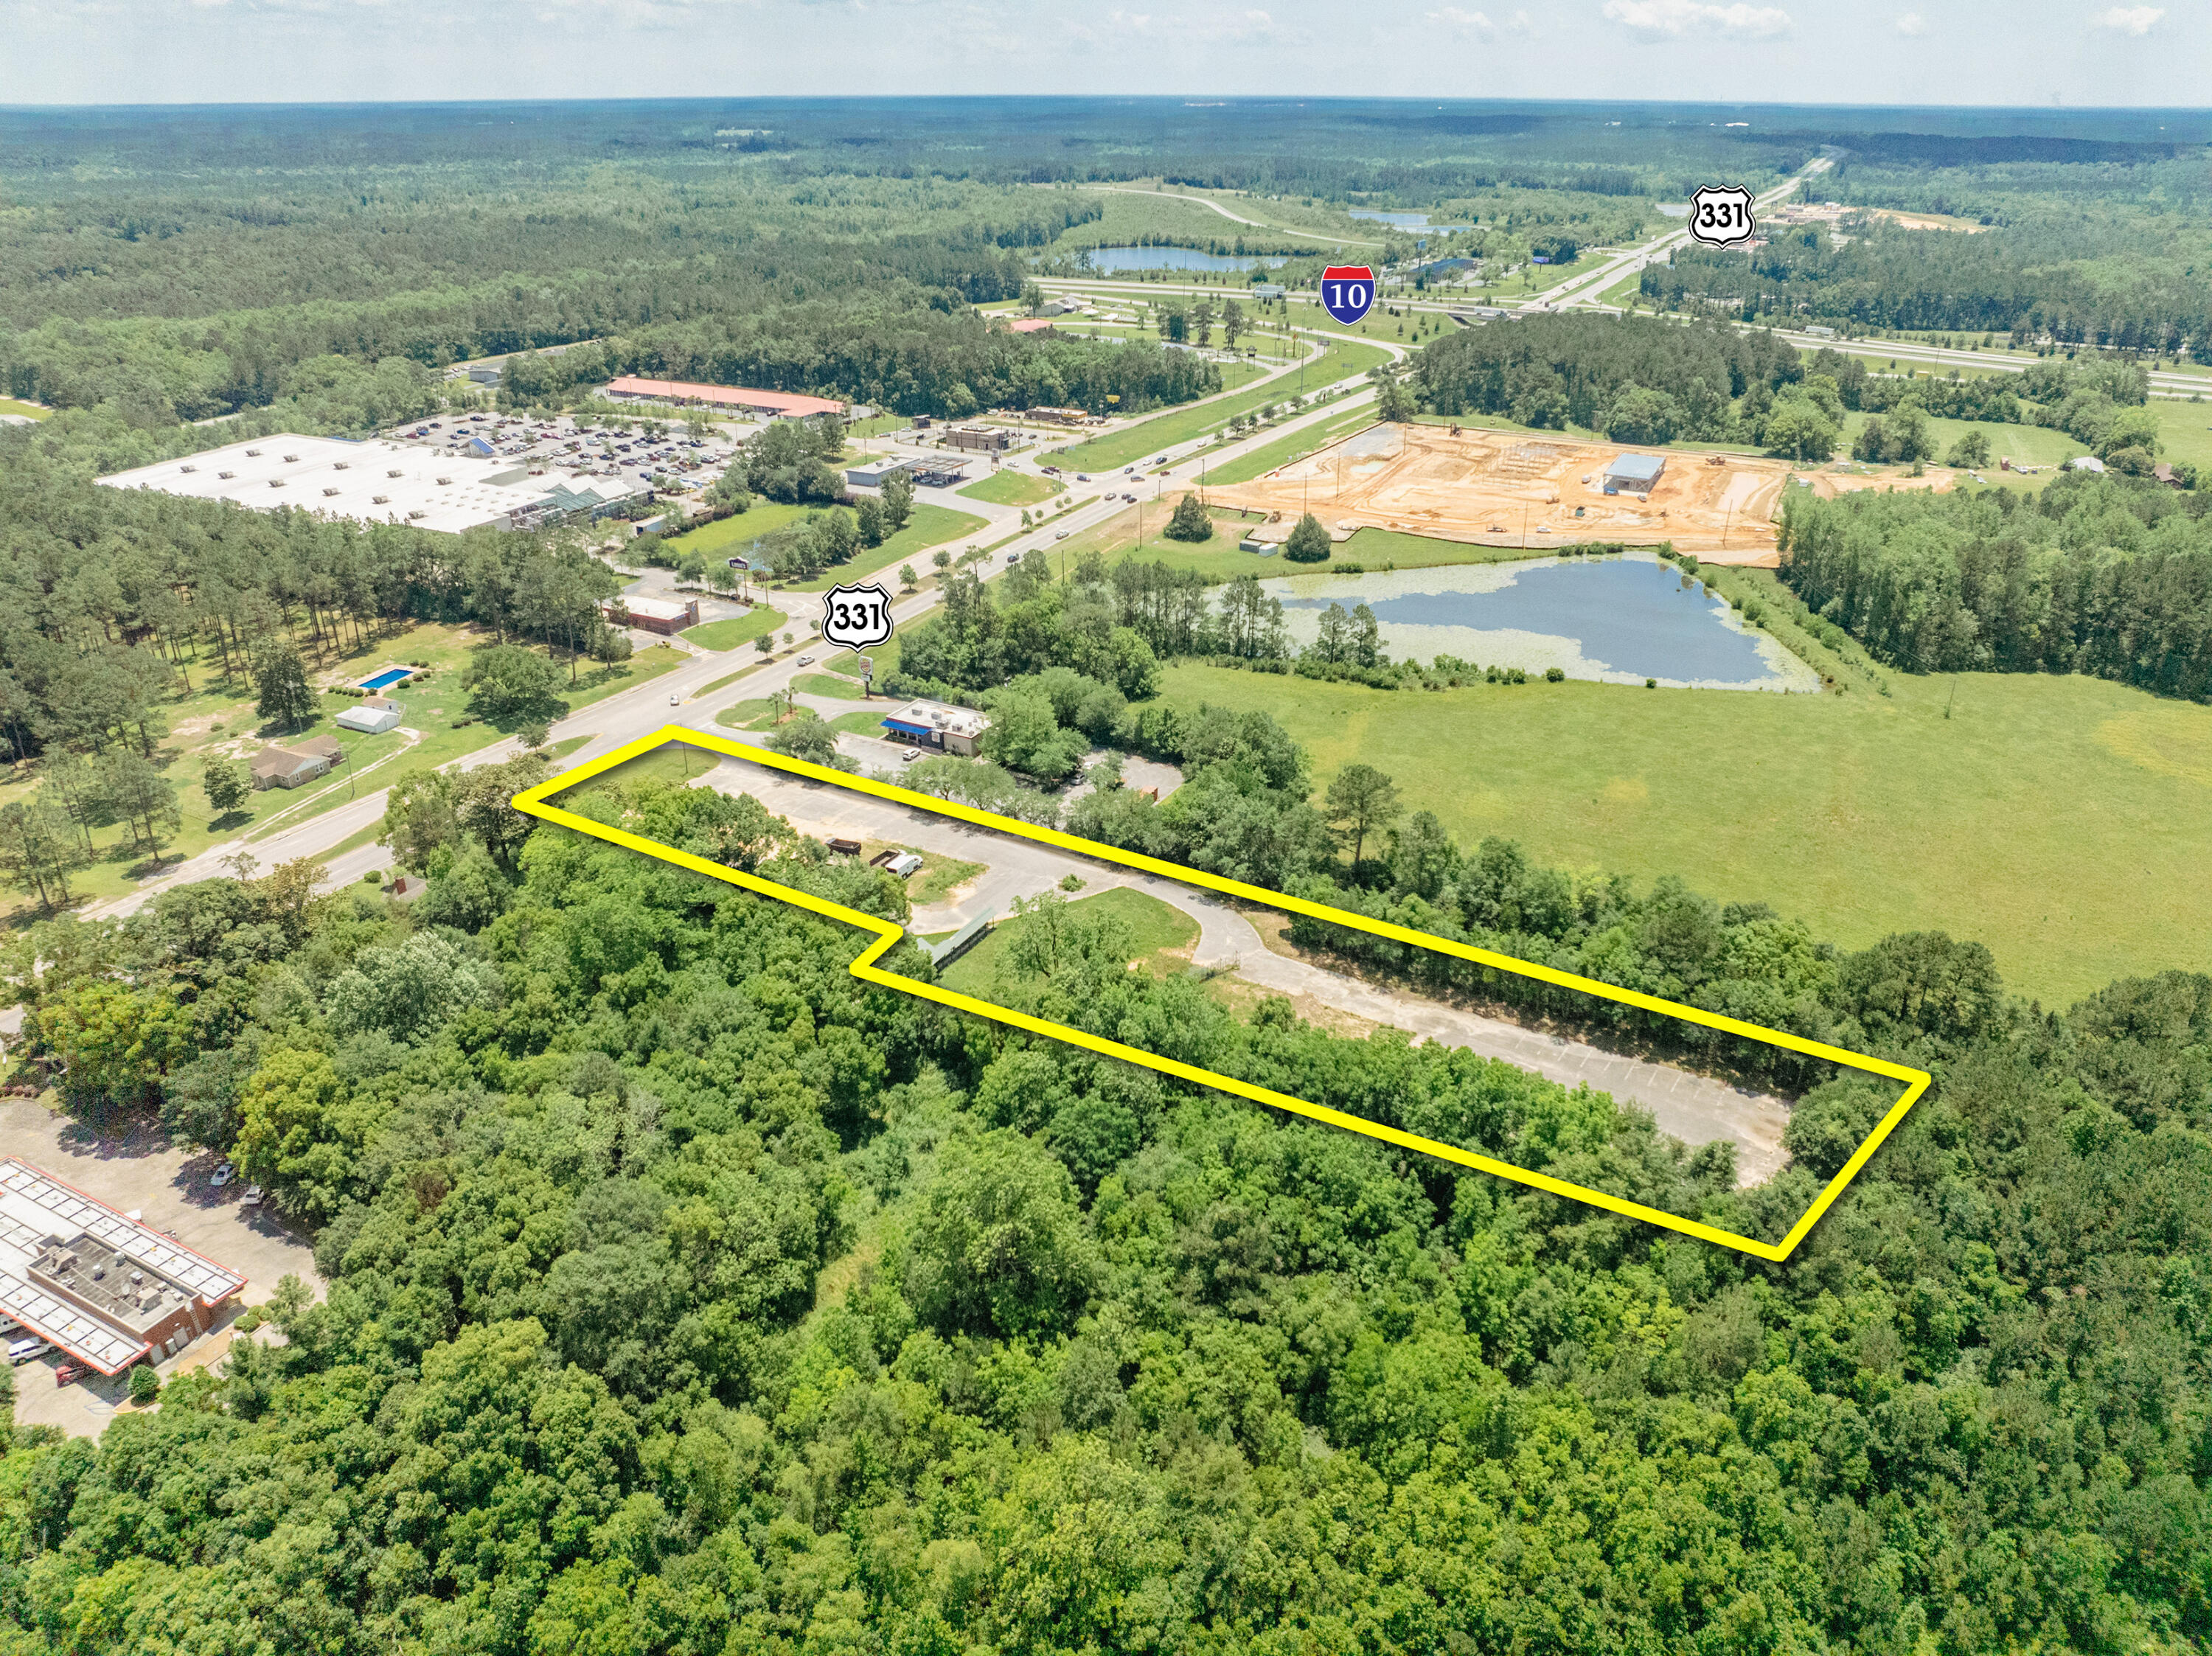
[(373, 715), (96, 1282), (376, 481)]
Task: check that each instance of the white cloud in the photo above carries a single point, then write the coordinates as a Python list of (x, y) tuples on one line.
[(2129, 20), (1912, 22), (1668, 19), (1479, 25)]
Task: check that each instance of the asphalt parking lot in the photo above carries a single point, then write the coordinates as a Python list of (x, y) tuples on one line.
[(167, 1186), (678, 458)]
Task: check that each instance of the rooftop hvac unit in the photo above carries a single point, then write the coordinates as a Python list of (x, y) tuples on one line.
[(330, 491), (381, 499), (188, 467), (443, 481), (253, 454), (394, 472), (276, 483), (340, 466), (290, 457), (226, 474), (417, 514)]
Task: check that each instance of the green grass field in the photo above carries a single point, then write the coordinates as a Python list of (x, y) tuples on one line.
[(32, 411), (1285, 449), (728, 633), (1012, 489), (826, 684), (1137, 442), (728, 536), (676, 762), (1219, 559), (2057, 820), (728, 679), (1158, 931), (930, 526), (748, 715)]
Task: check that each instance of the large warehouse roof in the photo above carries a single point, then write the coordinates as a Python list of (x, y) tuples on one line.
[(784, 403), (375, 481)]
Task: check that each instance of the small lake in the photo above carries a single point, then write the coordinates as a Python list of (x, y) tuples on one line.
[(1109, 259), (1404, 220), (1616, 620)]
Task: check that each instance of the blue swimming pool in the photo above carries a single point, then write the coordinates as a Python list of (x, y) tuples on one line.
[(389, 677)]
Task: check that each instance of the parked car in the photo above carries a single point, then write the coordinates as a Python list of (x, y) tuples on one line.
[(253, 1196), (1082, 477), (910, 756), (69, 1373), (21, 1351)]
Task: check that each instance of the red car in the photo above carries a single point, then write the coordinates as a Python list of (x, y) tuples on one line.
[(69, 1374)]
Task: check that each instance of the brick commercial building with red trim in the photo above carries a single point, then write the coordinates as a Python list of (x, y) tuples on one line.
[(97, 1284)]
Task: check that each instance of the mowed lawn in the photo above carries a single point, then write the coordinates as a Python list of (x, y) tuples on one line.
[(1159, 934), (733, 630), (930, 526), (729, 536), (1139, 442), (1012, 489), (1291, 446), (1219, 558), (2061, 821)]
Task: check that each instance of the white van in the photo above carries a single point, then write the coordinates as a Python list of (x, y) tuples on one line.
[(22, 1350)]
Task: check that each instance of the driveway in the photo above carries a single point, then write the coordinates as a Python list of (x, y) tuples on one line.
[(138, 1169), (1694, 1108)]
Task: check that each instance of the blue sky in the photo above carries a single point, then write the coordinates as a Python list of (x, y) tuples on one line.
[(1927, 51)]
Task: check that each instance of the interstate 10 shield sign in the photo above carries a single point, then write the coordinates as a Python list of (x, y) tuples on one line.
[(1347, 291)]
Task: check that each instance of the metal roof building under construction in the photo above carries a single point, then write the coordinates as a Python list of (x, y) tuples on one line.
[(96, 1282)]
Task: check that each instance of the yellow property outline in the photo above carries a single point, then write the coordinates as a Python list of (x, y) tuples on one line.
[(533, 801)]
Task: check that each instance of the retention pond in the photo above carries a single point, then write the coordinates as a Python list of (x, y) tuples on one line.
[(1618, 620)]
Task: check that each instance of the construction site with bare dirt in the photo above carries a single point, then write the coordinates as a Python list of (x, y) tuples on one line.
[(1511, 488)]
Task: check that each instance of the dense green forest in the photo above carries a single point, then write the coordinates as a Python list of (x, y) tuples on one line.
[(1638, 380), (2020, 282), (2094, 575), (686, 1295)]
